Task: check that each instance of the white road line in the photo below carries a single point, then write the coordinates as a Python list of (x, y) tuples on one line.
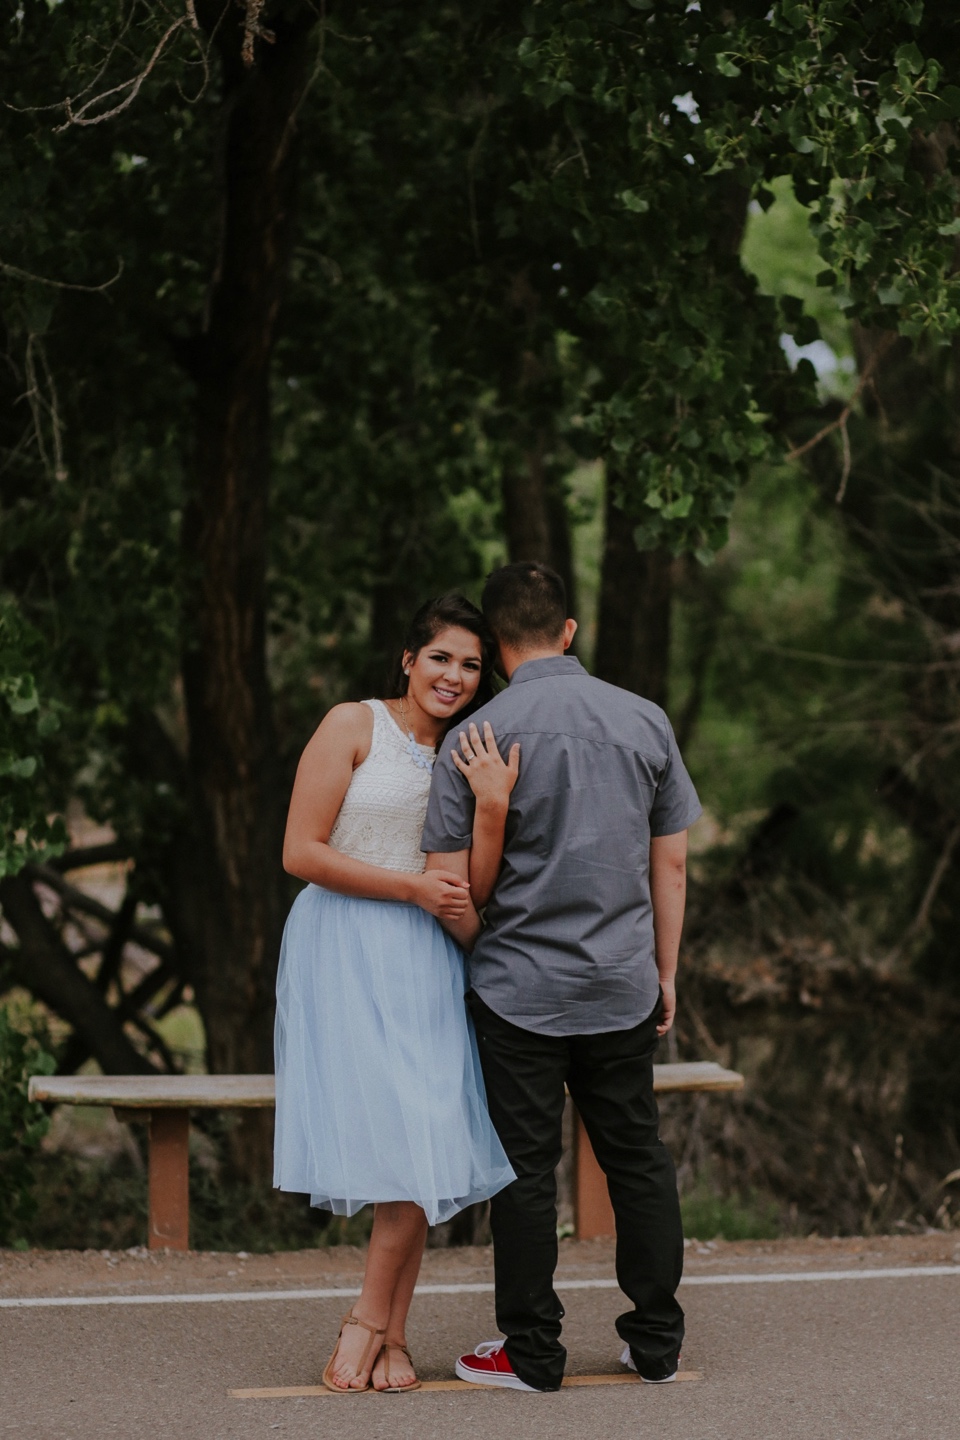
[(37, 1302)]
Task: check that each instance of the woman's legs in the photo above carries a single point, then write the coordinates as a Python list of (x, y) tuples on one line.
[(393, 1263), (401, 1372)]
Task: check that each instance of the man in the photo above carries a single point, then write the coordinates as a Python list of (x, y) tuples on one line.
[(573, 978)]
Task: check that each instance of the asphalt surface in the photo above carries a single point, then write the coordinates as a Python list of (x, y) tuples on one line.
[(821, 1359)]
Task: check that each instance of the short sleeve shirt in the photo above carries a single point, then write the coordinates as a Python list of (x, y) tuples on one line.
[(567, 948)]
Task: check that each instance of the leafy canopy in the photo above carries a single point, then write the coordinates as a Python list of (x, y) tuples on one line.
[(518, 226)]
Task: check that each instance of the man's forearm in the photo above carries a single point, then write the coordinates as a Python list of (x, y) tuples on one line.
[(668, 893), (668, 896)]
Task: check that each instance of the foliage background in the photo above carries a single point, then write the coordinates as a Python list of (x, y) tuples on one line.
[(290, 343)]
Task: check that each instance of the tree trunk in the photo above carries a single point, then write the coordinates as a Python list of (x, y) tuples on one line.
[(239, 901), (525, 521), (636, 589), (633, 621), (535, 521)]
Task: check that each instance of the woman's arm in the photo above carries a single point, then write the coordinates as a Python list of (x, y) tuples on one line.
[(326, 768), (466, 927), (492, 783)]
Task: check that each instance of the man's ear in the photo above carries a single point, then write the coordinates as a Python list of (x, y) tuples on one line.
[(569, 630)]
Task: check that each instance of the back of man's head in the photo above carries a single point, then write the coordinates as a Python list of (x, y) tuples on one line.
[(525, 605)]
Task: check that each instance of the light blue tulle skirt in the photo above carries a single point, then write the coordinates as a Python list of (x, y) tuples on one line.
[(379, 1089)]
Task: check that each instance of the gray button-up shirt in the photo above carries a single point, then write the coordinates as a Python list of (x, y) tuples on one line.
[(568, 945)]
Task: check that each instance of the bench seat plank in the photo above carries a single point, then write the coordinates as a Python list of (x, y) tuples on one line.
[(229, 1092), (157, 1092), (694, 1075)]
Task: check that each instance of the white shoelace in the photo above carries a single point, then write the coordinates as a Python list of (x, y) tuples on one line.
[(486, 1348)]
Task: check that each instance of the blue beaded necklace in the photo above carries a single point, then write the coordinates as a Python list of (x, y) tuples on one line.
[(424, 762)]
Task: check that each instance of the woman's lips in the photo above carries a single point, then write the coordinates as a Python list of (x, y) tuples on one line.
[(446, 697)]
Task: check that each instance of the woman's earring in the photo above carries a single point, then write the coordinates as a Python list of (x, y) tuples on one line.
[(406, 672)]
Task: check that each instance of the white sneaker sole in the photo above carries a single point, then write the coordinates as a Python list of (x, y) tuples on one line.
[(502, 1382), (627, 1359)]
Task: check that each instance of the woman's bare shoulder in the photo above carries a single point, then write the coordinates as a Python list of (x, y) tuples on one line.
[(350, 716), (347, 728)]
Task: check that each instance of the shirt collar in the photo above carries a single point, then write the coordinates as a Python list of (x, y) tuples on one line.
[(549, 665)]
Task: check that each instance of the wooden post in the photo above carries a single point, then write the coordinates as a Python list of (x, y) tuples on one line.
[(169, 1219), (593, 1213)]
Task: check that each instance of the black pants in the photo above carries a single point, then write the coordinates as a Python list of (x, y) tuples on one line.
[(610, 1077)]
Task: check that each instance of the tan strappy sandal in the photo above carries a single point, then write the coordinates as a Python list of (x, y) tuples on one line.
[(389, 1389), (374, 1345)]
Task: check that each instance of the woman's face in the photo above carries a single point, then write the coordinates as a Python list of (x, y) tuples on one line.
[(443, 676)]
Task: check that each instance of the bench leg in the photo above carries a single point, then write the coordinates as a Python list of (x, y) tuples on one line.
[(593, 1213), (169, 1219)]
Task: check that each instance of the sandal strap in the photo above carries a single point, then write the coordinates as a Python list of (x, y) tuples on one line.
[(387, 1347), (351, 1319), (374, 1344)]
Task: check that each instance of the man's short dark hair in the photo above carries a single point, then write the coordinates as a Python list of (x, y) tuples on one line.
[(525, 604)]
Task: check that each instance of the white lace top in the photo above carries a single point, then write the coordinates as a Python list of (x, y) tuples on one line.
[(381, 818)]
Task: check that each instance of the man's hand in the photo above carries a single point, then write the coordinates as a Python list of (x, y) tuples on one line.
[(442, 893), (669, 988)]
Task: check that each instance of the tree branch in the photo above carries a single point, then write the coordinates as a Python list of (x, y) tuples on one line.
[(86, 855), (840, 423), (44, 966), (75, 899)]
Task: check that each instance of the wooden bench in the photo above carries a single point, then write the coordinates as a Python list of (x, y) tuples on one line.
[(592, 1211), (165, 1102)]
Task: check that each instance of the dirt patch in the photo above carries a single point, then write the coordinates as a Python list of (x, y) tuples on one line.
[(139, 1271)]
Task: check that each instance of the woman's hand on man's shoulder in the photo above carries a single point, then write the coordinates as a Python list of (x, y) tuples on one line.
[(490, 777)]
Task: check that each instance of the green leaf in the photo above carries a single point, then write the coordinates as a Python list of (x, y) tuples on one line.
[(647, 537), (634, 201), (795, 15), (951, 228), (22, 696), (22, 769), (678, 509), (908, 58)]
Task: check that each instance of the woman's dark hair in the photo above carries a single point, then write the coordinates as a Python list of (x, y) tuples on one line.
[(443, 613)]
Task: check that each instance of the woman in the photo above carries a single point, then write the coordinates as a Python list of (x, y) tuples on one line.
[(379, 1093)]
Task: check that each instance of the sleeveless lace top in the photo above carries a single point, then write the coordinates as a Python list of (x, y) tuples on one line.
[(381, 818)]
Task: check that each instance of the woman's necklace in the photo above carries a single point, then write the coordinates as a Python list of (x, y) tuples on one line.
[(425, 762)]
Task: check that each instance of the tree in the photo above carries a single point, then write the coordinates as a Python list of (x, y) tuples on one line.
[(385, 276)]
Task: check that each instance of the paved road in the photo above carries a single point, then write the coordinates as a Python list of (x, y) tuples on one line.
[(816, 1360)]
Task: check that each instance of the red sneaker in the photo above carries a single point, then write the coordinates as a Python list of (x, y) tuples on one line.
[(488, 1365)]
